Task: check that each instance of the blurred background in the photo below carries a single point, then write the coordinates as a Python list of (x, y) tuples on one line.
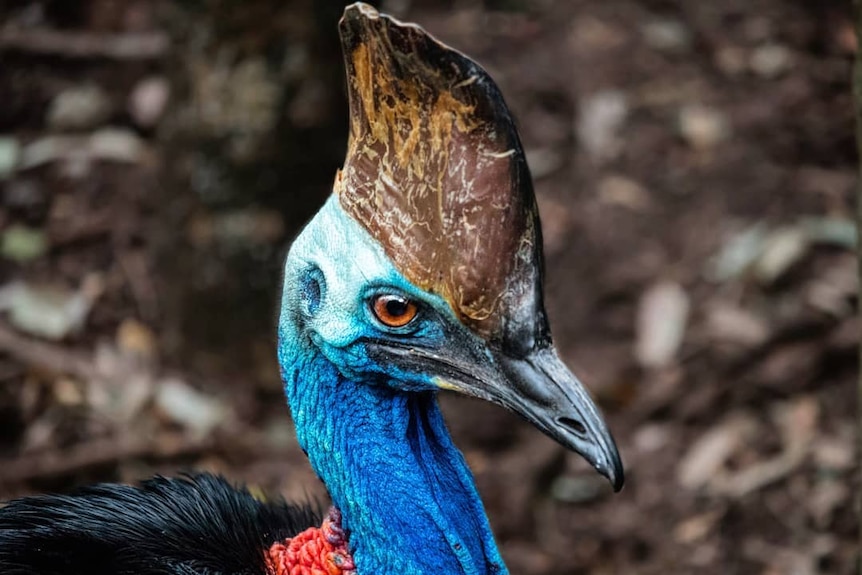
[(694, 165)]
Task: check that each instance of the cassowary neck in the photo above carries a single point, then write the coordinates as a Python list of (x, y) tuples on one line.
[(407, 497)]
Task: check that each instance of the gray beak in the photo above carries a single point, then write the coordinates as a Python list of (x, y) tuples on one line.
[(543, 390)]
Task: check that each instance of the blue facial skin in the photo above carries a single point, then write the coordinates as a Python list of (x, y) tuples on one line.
[(374, 434)]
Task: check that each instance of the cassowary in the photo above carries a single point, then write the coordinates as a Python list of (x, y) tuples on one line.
[(422, 272)]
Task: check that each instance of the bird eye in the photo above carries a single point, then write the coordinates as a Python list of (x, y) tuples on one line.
[(393, 310), (311, 290)]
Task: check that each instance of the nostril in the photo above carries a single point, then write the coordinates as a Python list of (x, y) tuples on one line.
[(573, 425)]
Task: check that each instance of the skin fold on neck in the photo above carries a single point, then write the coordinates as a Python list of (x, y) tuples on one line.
[(407, 497)]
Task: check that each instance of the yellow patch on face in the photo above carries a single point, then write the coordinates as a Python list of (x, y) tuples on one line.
[(443, 384)]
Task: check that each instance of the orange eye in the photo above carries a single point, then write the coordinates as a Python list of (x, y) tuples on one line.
[(394, 310)]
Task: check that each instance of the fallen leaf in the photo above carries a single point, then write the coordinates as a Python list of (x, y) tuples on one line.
[(544, 161), (797, 422), (189, 407), (708, 454), (624, 192), (825, 498), (148, 100), (577, 489), (703, 127), (771, 60), (600, 118), (22, 244), (783, 248), (136, 339), (10, 153), (667, 35), (651, 437), (51, 312), (697, 527), (737, 254), (726, 322), (834, 453), (79, 108), (661, 323), (839, 232)]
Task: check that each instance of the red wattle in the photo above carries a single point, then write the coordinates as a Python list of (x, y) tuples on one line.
[(316, 551)]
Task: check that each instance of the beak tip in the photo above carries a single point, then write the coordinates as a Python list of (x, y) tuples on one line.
[(617, 481), (610, 466), (613, 471)]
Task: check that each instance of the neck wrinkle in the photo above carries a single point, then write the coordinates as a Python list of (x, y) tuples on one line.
[(408, 499)]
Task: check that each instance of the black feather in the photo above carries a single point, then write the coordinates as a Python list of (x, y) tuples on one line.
[(197, 525)]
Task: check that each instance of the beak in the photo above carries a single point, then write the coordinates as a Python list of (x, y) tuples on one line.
[(542, 389), (538, 386)]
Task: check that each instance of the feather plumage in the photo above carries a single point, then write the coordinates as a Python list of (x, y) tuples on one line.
[(196, 525)]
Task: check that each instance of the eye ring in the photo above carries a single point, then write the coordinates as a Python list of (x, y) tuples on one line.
[(393, 310)]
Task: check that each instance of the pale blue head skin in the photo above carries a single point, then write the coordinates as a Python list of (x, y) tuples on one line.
[(374, 433)]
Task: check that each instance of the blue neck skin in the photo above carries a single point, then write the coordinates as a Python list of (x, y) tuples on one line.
[(407, 497)]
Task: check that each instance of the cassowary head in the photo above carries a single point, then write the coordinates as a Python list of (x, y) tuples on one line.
[(424, 269)]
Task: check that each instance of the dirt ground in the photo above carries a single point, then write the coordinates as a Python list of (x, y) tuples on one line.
[(694, 165)]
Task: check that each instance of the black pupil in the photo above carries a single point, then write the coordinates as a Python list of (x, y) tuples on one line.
[(396, 306)]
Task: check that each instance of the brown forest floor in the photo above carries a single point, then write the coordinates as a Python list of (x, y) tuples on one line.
[(694, 167)]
